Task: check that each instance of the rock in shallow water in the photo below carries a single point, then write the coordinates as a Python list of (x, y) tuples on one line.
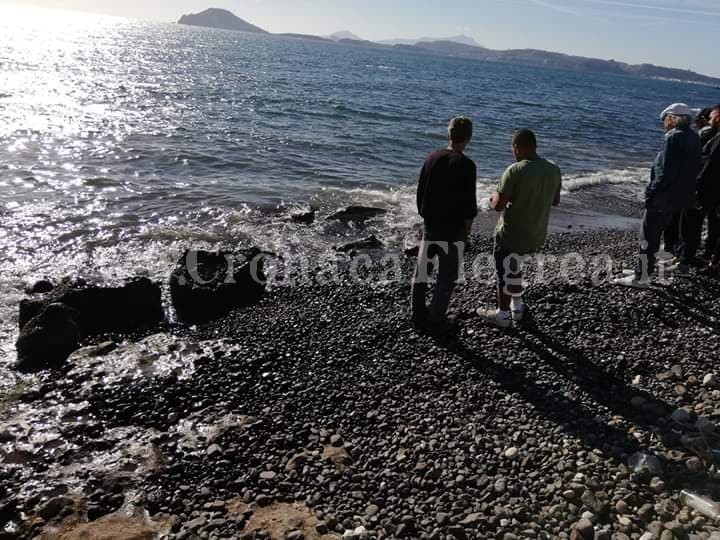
[(207, 285), (52, 325), (48, 339), (357, 214)]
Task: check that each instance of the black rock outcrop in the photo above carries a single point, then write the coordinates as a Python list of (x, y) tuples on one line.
[(206, 285)]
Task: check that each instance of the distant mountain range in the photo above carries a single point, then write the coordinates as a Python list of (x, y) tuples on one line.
[(344, 34), (463, 47), (462, 39)]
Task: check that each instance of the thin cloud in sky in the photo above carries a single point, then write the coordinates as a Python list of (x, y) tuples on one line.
[(557, 7), (701, 10), (652, 14)]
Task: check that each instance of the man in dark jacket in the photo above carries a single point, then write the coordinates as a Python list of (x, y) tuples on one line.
[(691, 221), (447, 202), (709, 189), (672, 188)]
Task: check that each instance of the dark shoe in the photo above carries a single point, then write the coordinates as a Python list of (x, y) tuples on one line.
[(420, 323), (699, 262), (443, 327)]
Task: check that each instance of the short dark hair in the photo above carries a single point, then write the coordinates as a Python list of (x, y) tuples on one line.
[(715, 108), (460, 129), (705, 114), (524, 138)]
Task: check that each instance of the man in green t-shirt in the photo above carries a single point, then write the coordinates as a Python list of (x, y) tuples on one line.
[(527, 192)]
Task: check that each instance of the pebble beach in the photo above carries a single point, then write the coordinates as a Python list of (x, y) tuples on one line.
[(320, 412)]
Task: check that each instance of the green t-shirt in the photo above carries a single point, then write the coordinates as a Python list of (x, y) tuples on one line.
[(531, 187)]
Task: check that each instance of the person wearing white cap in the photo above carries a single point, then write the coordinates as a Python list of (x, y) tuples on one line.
[(672, 188)]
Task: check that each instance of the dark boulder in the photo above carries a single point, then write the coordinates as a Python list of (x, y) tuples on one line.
[(48, 339), (366, 244), (41, 287), (29, 309), (412, 252), (207, 285), (53, 323), (135, 305), (303, 217), (357, 214)]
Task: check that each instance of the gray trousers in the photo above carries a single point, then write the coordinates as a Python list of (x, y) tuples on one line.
[(441, 247)]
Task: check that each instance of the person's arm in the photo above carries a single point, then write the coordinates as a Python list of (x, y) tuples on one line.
[(667, 167), (470, 198), (499, 201), (503, 196), (556, 200)]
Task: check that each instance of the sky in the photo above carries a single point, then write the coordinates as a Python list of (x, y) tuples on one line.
[(673, 33)]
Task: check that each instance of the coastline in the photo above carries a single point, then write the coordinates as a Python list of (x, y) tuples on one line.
[(324, 397)]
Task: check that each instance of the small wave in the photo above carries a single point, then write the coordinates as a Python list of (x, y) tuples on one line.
[(578, 182)]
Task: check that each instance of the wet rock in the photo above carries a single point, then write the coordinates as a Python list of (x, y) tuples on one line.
[(471, 520), (48, 339), (367, 244), (695, 464), (196, 523), (29, 309), (40, 287), (357, 214), (134, 305), (583, 530), (207, 285), (54, 507), (622, 507), (646, 513), (214, 450), (268, 475), (372, 510), (297, 461), (412, 252), (303, 217)]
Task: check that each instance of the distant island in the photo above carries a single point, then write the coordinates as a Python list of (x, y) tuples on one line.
[(463, 47), (222, 19)]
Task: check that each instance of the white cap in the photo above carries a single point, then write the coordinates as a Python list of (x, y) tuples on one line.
[(677, 109)]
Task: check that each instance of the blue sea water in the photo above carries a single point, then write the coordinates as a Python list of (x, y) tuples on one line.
[(122, 142)]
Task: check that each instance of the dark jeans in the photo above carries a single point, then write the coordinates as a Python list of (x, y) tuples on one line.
[(671, 234), (653, 224), (691, 225), (445, 243)]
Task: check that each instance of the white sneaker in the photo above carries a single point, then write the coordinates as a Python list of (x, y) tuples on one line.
[(664, 257), (632, 281), (492, 316)]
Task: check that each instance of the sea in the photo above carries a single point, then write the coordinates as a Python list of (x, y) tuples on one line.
[(123, 142)]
